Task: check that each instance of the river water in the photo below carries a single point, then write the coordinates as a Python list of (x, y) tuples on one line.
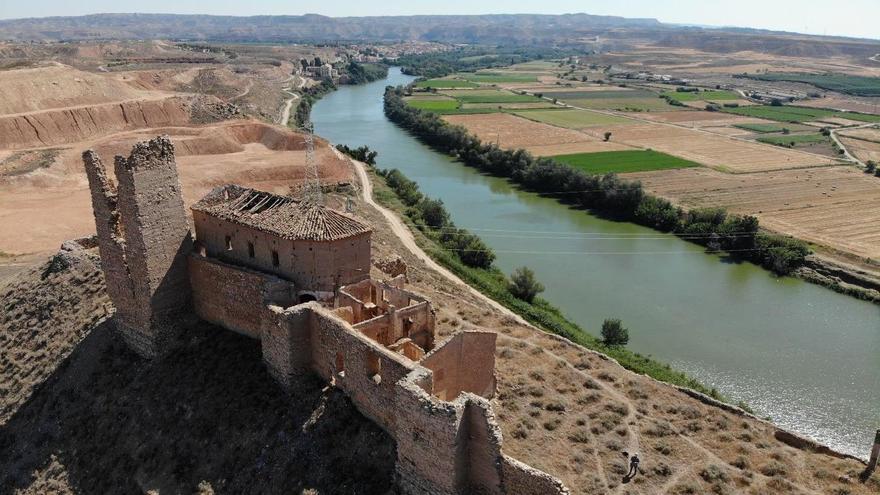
[(804, 355)]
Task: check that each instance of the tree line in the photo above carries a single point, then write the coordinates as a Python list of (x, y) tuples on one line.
[(469, 59), (608, 194)]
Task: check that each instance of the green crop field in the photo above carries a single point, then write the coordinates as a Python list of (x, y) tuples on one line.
[(798, 114), (625, 104), (445, 83), (570, 118), (797, 139), (701, 95), (623, 161), (490, 96), (496, 77), (434, 105), (853, 85), (768, 128)]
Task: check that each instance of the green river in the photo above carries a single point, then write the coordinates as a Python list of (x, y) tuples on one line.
[(804, 355)]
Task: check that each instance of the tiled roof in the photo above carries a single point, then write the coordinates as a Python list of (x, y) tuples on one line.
[(279, 215)]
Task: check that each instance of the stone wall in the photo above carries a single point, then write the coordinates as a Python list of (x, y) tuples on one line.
[(285, 338), (522, 479), (464, 363), (314, 266), (233, 297), (366, 371), (143, 230)]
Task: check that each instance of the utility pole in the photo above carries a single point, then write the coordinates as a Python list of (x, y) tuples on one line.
[(312, 191)]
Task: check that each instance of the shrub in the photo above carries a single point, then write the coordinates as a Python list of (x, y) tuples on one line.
[(613, 333), (871, 167), (523, 284)]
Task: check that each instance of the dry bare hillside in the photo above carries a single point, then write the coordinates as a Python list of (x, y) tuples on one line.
[(79, 413), (209, 415)]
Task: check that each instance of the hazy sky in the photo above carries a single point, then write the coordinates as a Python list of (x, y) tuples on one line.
[(840, 17)]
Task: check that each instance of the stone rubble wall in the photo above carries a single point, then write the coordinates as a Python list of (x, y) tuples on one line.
[(463, 363), (143, 230), (235, 298)]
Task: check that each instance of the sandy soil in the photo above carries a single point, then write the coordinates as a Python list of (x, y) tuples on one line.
[(48, 206), (837, 207)]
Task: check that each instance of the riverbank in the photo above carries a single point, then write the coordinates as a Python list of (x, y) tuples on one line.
[(775, 343), (738, 236), (541, 313)]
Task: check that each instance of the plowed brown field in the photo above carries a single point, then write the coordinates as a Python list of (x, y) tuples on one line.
[(837, 207)]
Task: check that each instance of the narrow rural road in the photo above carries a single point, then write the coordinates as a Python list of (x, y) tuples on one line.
[(406, 237), (288, 104), (846, 153)]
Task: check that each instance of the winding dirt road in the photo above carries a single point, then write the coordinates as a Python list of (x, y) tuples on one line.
[(406, 237)]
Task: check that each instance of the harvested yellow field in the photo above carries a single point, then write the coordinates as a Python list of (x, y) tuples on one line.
[(712, 150), (701, 118), (513, 132), (864, 105), (863, 150), (838, 207)]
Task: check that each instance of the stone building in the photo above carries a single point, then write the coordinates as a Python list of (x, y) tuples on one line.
[(296, 277)]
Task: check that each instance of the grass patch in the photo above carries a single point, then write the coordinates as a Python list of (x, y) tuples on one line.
[(623, 161), (541, 313), (683, 96), (570, 118), (445, 83)]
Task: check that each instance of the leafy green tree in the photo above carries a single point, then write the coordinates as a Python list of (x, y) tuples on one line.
[(614, 333), (871, 167), (524, 285), (607, 135)]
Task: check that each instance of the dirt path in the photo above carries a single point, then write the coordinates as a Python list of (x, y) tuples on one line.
[(288, 104), (840, 144), (406, 237)]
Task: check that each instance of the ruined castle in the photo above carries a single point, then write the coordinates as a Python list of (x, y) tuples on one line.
[(296, 276)]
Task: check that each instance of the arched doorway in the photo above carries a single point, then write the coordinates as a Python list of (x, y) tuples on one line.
[(304, 298)]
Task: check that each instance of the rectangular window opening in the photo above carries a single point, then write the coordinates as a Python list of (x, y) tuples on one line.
[(229, 243), (251, 249), (374, 367), (275, 261)]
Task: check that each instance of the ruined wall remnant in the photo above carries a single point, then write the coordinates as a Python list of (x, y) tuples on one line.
[(256, 255), (144, 241)]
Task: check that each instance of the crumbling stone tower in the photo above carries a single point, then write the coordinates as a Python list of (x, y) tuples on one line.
[(144, 239)]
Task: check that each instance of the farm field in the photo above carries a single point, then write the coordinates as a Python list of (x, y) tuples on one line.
[(862, 149), (496, 77), (798, 114), (771, 128), (490, 96), (513, 132), (701, 118), (510, 106), (684, 96), (863, 105), (643, 104), (866, 133), (720, 152), (623, 161), (571, 118), (842, 83), (837, 207), (445, 83), (786, 139)]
